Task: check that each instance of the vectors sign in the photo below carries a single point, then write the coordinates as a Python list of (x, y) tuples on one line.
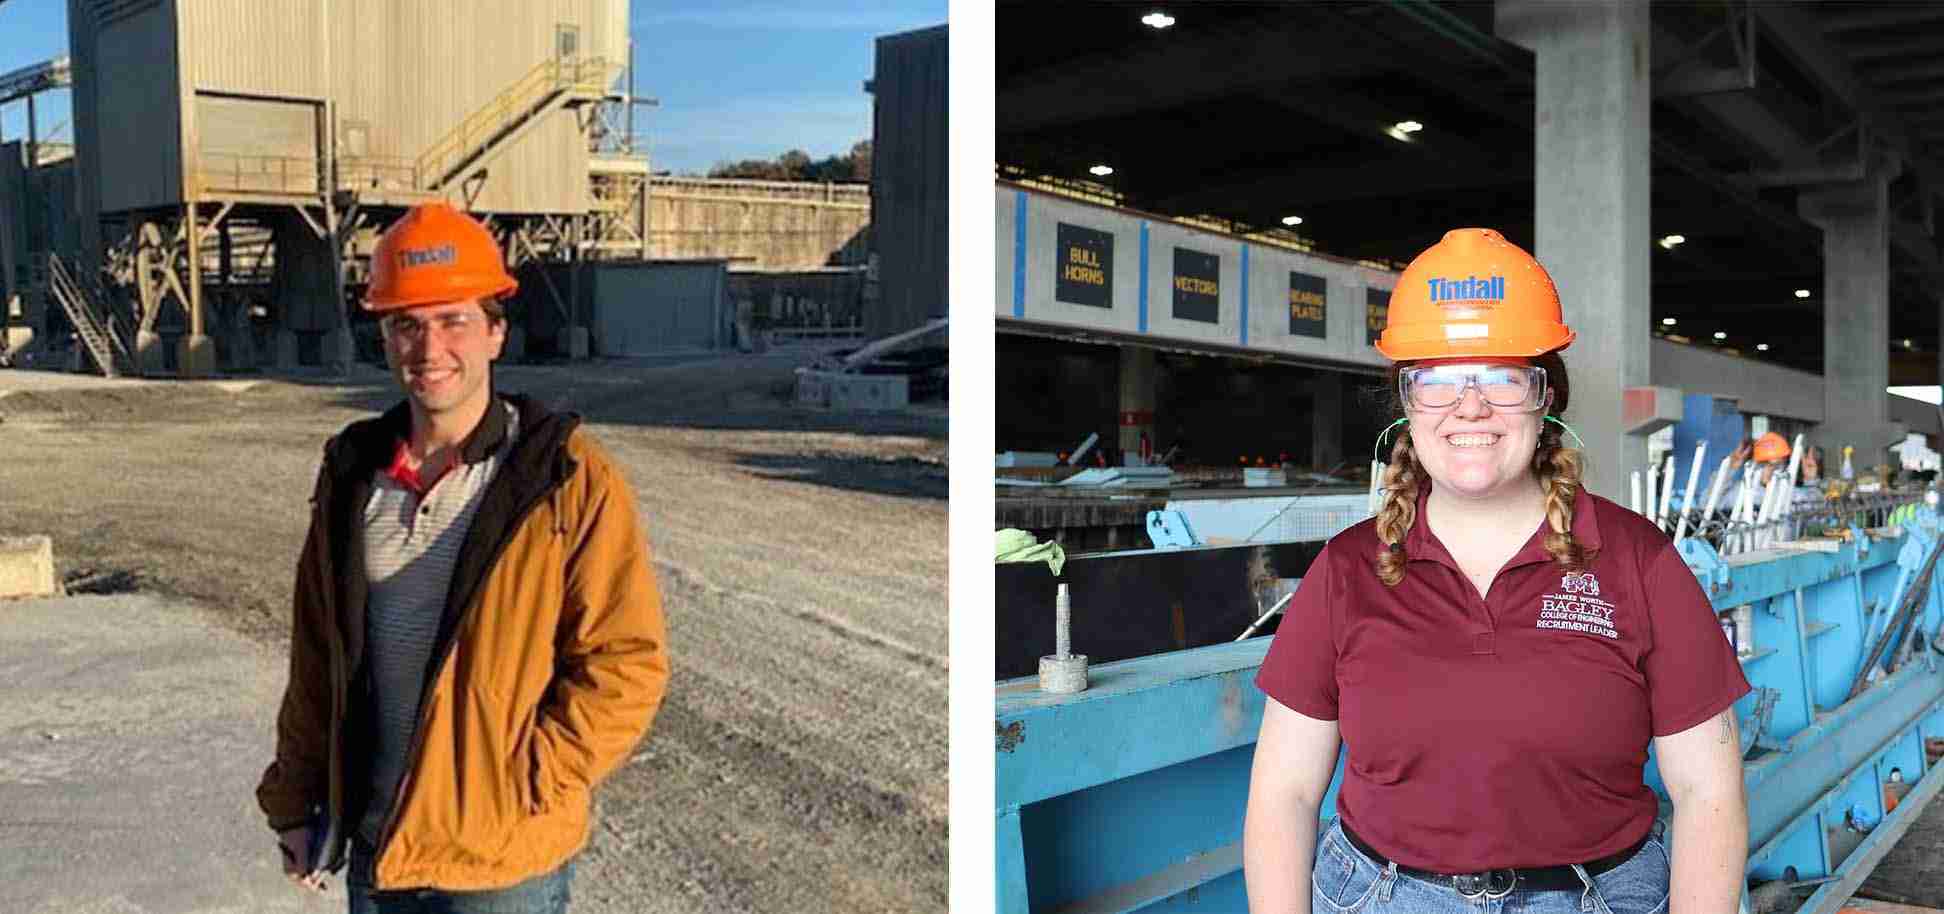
[(1197, 286), (1086, 267)]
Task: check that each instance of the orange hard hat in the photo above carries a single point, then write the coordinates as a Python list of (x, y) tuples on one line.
[(1473, 294), (433, 255), (1771, 447)]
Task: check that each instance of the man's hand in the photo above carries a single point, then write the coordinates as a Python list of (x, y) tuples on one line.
[(295, 845)]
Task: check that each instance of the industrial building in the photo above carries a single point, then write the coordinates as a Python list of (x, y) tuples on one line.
[(1199, 214), (233, 163)]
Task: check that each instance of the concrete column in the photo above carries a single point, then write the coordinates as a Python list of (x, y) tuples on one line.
[(339, 350), (148, 352), (1591, 190), (1326, 420), (285, 341), (1855, 221), (1136, 398)]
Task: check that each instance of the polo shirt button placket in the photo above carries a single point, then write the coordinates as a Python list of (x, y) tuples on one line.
[(1485, 642)]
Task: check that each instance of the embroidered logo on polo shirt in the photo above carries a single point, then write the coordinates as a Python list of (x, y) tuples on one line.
[(1578, 607), (1584, 582)]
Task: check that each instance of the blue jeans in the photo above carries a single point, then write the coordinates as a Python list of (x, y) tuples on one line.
[(1345, 881), (540, 895)]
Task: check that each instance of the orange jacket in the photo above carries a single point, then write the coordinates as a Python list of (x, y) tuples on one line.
[(550, 664)]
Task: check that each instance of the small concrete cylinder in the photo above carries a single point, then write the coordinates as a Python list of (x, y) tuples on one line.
[(1063, 675)]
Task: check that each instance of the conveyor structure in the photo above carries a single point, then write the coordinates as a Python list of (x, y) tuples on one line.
[(1129, 796)]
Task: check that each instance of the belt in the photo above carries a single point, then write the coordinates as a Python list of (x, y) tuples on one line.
[(1502, 882)]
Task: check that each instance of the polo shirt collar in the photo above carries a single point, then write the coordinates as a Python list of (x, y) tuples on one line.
[(1420, 544)]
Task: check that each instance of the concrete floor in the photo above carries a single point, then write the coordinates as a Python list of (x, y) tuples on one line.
[(131, 740)]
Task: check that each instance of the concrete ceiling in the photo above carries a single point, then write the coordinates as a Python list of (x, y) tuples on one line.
[(1251, 112)]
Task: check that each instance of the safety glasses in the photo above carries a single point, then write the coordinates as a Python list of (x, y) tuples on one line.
[(1514, 388)]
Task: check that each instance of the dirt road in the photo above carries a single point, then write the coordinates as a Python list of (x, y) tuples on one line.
[(800, 760)]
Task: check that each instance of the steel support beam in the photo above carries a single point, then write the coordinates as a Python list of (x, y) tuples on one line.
[(1834, 19)]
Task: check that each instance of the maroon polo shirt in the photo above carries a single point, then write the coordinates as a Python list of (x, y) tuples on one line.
[(1509, 730)]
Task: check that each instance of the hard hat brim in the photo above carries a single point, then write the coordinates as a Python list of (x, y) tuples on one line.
[(457, 292), (1436, 341)]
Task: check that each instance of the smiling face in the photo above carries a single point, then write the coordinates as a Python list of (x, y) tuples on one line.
[(1471, 448), (442, 354)]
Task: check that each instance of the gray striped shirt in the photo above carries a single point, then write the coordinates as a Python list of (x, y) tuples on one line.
[(410, 549)]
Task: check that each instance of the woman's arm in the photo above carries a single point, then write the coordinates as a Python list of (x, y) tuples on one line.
[(1703, 772), (1295, 757)]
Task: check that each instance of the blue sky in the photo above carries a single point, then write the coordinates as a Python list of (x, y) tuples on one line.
[(737, 79)]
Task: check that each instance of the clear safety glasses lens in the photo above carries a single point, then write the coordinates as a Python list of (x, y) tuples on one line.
[(1520, 388)]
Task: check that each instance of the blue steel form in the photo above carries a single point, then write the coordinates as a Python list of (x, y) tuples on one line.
[(1129, 796)]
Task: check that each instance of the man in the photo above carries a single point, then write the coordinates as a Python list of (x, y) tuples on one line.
[(477, 639)]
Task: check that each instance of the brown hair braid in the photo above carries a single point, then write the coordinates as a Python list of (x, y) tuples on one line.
[(1560, 470)]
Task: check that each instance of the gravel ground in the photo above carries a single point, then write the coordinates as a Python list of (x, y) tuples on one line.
[(800, 760)]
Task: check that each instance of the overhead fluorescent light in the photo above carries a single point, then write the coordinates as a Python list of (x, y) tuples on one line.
[(1158, 19), (1721, 334), (1669, 241), (1802, 293), (1402, 130), (1761, 347), (1292, 220), (1100, 171), (1668, 322)]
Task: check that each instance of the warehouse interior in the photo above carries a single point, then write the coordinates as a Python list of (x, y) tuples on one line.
[(1735, 200)]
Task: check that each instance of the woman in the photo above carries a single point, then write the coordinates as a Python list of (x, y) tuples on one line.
[(1496, 648)]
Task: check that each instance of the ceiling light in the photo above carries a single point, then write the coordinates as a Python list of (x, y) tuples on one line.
[(1407, 127), (1100, 171), (1907, 344), (1158, 19), (1671, 240), (1292, 220), (1721, 334), (1761, 347), (1667, 322), (1802, 293)]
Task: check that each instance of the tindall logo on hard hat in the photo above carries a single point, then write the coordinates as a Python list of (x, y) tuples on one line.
[(1466, 291), (425, 257)]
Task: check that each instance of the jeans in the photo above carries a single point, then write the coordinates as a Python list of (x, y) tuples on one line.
[(1345, 881), (540, 895)]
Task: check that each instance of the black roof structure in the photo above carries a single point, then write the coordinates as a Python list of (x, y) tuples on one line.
[(1250, 112)]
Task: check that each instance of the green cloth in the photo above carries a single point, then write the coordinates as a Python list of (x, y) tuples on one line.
[(1019, 546)]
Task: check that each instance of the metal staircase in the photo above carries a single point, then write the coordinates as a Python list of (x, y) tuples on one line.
[(97, 329), (486, 133)]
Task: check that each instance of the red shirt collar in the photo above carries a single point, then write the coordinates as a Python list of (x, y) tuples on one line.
[(402, 472)]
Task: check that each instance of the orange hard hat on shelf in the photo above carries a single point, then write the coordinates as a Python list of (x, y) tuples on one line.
[(433, 255), (1771, 447), (1473, 294)]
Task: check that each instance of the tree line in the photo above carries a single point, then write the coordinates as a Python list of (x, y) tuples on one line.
[(796, 165)]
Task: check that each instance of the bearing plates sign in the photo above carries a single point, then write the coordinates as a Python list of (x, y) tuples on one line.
[(1086, 272), (1308, 305), (1376, 313), (1197, 286)]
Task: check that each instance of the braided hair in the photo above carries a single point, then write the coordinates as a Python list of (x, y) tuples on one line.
[(1560, 470)]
